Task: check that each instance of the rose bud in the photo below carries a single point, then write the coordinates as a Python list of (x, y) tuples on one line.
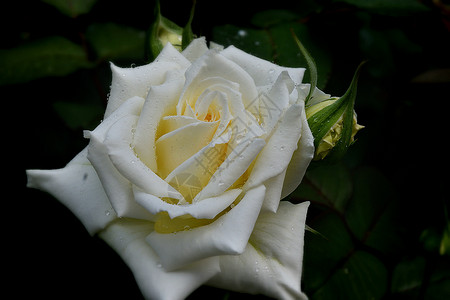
[(332, 121)]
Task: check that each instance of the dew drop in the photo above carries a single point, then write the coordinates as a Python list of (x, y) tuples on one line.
[(282, 148), (242, 33), (221, 183), (271, 71), (107, 212)]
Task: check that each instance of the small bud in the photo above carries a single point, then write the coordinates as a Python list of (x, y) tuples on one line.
[(334, 134), (164, 31), (333, 122)]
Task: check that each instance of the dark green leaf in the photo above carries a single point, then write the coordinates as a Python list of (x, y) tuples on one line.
[(371, 196), (389, 7), (408, 276), (116, 42), (287, 53), (325, 252), (329, 184), (72, 8), (362, 276), (253, 41), (269, 18), (51, 56), (79, 116)]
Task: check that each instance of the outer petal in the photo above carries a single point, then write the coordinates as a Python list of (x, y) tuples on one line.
[(77, 187), (117, 187), (195, 49), (127, 238), (272, 262), (130, 82), (118, 141), (227, 235), (262, 71), (276, 155), (300, 159)]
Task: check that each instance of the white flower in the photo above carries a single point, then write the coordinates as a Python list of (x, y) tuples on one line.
[(184, 176)]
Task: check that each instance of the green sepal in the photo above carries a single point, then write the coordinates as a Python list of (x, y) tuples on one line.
[(188, 35), (321, 122), (312, 68)]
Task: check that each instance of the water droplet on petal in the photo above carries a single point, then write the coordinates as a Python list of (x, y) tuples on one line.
[(282, 148)]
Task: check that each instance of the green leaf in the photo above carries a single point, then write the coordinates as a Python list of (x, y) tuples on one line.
[(356, 221), (78, 115), (72, 8), (362, 276), (269, 18), (254, 41), (408, 276), (324, 252), (371, 195), (389, 7), (330, 185), (51, 56), (287, 53), (111, 41)]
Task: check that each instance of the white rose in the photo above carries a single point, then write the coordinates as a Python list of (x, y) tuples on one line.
[(184, 176)]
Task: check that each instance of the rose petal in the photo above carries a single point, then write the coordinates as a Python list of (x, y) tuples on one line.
[(161, 101), (118, 142), (274, 187), (130, 82), (212, 64), (272, 261), (175, 147), (227, 235), (300, 159), (205, 209), (79, 189), (235, 164), (116, 186), (194, 173), (273, 104), (171, 123), (262, 71), (195, 49), (281, 145), (127, 238)]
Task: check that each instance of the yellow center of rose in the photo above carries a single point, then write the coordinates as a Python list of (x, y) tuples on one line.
[(186, 136)]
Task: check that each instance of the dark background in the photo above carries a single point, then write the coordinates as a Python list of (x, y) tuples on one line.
[(402, 101)]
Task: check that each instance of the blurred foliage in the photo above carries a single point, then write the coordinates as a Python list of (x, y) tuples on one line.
[(382, 212)]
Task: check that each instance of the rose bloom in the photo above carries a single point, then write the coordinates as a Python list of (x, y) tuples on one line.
[(184, 176)]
